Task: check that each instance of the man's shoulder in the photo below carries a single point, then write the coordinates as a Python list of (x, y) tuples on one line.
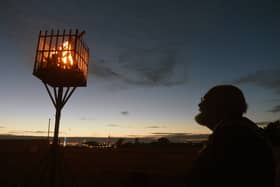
[(241, 133), (237, 128)]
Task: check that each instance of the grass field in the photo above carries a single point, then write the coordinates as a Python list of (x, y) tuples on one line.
[(161, 165)]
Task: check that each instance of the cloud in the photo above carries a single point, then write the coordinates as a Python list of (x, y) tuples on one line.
[(169, 133), (102, 70), (85, 119), (268, 79), (37, 132), (153, 127), (275, 109), (264, 78), (23, 132), (112, 125), (124, 113), (144, 67)]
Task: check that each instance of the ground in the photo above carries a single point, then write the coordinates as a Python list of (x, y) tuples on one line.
[(154, 165)]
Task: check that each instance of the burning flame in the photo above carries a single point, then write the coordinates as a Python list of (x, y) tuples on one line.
[(63, 56), (66, 55)]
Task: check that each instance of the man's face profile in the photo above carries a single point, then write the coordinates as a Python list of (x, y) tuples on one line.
[(207, 113), (221, 103)]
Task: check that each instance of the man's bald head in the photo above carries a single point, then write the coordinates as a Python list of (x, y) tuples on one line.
[(221, 102)]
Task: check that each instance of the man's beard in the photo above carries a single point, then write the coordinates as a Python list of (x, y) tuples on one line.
[(201, 119), (205, 120)]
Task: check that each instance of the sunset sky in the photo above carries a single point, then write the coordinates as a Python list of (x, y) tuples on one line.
[(150, 63)]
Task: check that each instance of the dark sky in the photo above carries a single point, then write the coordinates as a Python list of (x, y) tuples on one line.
[(150, 62)]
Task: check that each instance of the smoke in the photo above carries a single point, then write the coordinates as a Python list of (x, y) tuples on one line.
[(144, 67)]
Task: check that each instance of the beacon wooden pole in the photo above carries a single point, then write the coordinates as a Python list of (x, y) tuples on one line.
[(49, 129), (61, 63), (58, 108), (59, 99)]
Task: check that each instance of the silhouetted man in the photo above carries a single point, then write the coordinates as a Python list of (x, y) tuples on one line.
[(237, 153)]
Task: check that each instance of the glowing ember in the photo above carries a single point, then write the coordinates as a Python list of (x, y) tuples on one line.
[(63, 57)]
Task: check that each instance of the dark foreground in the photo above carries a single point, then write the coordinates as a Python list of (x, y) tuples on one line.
[(138, 165)]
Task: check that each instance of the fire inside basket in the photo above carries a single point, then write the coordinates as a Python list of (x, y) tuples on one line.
[(62, 59)]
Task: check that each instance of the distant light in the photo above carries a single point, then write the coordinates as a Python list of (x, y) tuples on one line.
[(65, 141)]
